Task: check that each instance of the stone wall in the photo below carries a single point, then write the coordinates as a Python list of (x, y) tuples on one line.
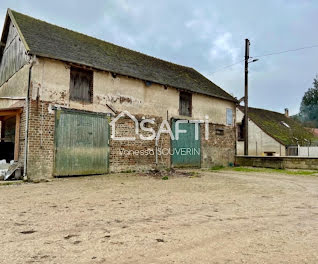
[(219, 149), (139, 154), (305, 163)]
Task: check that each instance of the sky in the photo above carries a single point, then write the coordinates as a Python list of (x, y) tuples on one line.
[(206, 35)]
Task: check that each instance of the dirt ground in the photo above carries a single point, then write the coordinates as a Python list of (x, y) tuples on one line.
[(214, 217)]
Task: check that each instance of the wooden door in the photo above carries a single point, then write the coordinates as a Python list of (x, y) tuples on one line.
[(81, 143)]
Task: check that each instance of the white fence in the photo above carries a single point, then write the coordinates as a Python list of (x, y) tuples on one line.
[(308, 151)]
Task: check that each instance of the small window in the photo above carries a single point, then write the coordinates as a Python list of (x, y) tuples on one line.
[(219, 132), (81, 85), (185, 104), (229, 116), (240, 132)]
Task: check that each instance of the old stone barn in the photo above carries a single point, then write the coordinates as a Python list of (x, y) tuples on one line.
[(60, 90)]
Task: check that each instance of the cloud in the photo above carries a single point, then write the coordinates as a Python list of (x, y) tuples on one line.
[(130, 8), (222, 46), (201, 25)]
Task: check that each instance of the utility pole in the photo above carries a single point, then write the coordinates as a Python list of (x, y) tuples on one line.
[(247, 56)]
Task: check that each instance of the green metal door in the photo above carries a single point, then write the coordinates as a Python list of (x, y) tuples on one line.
[(186, 150), (81, 143)]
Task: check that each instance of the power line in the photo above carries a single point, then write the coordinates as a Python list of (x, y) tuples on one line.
[(266, 55), (285, 51), (223, 68)]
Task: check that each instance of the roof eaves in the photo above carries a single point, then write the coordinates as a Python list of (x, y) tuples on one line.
[(124, 74)]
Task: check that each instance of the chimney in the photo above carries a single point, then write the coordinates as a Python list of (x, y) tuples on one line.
[(286, 112)]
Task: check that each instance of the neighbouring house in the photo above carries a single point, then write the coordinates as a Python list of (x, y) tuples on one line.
[(60, 90), (270, 133)]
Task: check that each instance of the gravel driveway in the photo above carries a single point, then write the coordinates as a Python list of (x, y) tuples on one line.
[(213, 217)]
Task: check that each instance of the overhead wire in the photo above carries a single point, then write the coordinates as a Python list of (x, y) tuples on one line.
[(266, 55)]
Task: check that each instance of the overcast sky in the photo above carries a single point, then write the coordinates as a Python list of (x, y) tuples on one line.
[(206, 35)]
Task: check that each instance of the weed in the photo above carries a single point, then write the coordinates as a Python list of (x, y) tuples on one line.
[(194, 174), (217, 167), (128, 171)]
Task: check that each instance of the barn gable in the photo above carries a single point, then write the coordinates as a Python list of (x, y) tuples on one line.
[(13, 53)]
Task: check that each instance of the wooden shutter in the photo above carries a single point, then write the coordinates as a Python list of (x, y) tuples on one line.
[(81, 85), (185, 104)]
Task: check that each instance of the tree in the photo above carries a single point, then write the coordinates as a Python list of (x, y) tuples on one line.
[(309, 106)]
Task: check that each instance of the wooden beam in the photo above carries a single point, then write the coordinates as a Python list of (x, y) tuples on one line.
[(9, 112), (17, 137), (4, 118)]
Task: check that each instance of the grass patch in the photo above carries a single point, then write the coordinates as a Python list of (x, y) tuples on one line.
[(246, 169), (217, 168), (268, 170), (165, 178), (297, 172)]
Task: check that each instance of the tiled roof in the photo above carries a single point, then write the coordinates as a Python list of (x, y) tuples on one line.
[(284, 129), (47, 40)]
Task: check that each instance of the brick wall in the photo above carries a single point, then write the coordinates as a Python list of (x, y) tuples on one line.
[(138, 154), (22, 137), (41, 141), (124, 155), (219, 149)]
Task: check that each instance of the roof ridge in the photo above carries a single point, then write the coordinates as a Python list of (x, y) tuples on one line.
[(121, 47), (272, 123), (255, 108)]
